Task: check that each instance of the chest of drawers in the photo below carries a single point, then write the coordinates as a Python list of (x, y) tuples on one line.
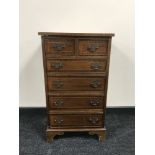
[(76, 68)]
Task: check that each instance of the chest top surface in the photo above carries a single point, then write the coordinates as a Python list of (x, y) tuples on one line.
[(76, 34)]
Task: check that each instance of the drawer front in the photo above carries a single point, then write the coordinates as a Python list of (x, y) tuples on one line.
[(59, 46), (82, 120), (77, 65), (75, 102), (93, 47), (64, 83)]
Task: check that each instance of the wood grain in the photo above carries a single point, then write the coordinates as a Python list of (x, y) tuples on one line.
[(76, 65), (76, 83), (76, 69), (75, 120), (100, 47), (59, 46), (76, 102)]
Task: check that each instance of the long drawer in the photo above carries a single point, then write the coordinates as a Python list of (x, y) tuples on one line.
[(76, 83), (76, 120), (76, 102), (77, 65)]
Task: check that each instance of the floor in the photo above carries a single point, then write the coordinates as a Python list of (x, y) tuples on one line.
[(120, 139)]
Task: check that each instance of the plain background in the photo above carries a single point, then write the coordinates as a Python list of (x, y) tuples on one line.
[(92, 16)]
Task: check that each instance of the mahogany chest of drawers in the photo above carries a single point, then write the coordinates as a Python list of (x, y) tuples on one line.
[(76, 67)]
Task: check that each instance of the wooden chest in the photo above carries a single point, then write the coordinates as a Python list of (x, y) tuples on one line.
[(76, 67)]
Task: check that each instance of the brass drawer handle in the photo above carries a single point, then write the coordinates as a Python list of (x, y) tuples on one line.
[(59, 47), (93, 120), (58, 83), (57, 65), (92, 48), (59, 121), (95, 84), (95, 102), (95, 67), (58, 103)]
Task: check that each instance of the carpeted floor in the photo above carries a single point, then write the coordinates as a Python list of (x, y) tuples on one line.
[(120, 139)]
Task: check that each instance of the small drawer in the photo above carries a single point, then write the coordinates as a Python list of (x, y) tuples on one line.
[(93, 47), (70, 83), (76, 102), (59, 46), (76, 120), (77, 65)]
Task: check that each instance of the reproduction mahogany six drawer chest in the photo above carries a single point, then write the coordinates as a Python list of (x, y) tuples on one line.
[(76, 68)]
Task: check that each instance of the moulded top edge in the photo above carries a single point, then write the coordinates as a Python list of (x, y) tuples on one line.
[(76, 34)]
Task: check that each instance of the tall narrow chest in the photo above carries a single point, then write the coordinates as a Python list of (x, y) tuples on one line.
[(76, 68)]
